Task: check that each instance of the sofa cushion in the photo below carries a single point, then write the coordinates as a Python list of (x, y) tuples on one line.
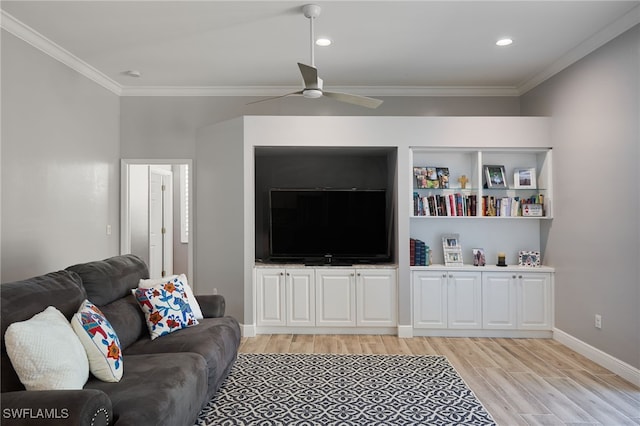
[(157, 389), (216, 339), (127, 319), (21, 300), (166, 308), (46, 353), (111, 279), (100, 342)]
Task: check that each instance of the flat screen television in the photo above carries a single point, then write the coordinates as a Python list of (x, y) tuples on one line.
[(328, 226)]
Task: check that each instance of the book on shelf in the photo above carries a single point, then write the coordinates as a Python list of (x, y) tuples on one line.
[(513, 206), (419, 253), (454, 204)]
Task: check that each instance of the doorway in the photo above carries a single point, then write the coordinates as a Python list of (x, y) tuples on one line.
[(156, 202)]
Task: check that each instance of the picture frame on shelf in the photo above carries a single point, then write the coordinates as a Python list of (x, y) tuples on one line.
[(529, 258), (495, 176), (479, 258), (453, 258), (443, 176), (532, 210), (451, 241), (524, 178), (426, 177), (452, 250)]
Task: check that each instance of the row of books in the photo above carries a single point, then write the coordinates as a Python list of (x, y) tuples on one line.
[(419, 253), (511, 206), (444, 205), (466, 205)]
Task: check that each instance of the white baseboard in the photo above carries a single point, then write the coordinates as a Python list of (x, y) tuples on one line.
[(248, 330), (405, 331), (621, 368)]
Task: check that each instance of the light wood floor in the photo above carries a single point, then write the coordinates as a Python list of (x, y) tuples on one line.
[(519, 381)]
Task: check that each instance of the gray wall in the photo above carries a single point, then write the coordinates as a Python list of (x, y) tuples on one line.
[(60, 165), (166, 127), (594, 242)]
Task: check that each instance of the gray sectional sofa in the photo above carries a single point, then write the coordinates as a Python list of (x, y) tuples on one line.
[(166, 381)]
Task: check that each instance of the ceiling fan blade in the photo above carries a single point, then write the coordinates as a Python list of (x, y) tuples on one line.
[(354, 99), (310, 76), (299, 92)]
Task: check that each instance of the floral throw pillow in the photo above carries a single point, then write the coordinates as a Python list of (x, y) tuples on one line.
[(166, 308), (100, 342)]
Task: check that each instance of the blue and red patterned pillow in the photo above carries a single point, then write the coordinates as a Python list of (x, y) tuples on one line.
[(100, 342), (166, 308)]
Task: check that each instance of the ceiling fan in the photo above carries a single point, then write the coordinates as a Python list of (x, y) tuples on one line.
[(313, 85)]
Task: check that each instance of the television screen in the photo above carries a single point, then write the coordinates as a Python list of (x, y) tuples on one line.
[(342, 224)]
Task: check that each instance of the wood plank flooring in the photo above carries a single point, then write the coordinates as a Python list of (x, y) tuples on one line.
[(519, 381)]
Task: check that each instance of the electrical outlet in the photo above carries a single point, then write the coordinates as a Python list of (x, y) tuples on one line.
[(598, 323)]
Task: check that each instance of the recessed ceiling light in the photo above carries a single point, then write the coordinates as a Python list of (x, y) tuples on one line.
[(504, 42), (323, 42)]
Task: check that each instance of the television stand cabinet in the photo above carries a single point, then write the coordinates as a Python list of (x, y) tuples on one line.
[(356, 299)]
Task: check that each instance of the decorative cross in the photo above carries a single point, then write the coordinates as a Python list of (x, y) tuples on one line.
[(463, 181)]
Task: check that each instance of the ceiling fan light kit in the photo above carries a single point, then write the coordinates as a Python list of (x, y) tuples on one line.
[(313, 86)]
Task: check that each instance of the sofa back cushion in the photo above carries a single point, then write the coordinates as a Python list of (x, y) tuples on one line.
[(111, 279), (21, 300), (127, 320)]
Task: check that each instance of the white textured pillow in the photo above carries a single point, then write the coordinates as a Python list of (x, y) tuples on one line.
[(195, 307), (46, 353), (100, 342)]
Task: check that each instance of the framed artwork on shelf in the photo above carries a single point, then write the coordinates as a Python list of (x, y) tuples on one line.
[(479, 258), (529, 258), (524, 178), (452, 250), (453, 258), (426, 177), (443, 176), (451, 241), (495, 176)]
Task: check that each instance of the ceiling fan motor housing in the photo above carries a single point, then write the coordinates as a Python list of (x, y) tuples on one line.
[(311, 11)]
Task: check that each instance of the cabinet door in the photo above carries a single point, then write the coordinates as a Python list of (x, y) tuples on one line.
[(499, 301), (464, 296), (429, 299), (534, 301), (270, 297), (335, 297), (376, 297), (301, 308)]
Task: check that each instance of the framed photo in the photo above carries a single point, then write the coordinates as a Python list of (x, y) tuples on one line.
[(495, 176), (478, 257), (426, 177), (529, 258), (453, 258), (451, 241), (524, 178), (443, 176)]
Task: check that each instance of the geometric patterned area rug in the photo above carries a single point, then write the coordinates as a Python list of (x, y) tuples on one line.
[(337, 389)]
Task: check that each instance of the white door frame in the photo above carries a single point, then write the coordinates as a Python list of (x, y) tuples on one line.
[(125, 213)]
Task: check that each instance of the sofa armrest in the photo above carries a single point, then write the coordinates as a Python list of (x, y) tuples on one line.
[(54, 407), (211, 305)]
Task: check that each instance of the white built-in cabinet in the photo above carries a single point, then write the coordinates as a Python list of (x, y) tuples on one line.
[(486, 301), (447, 299), (516, 300), (326, 297)]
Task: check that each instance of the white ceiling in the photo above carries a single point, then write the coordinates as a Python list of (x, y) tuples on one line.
[(379, 47)]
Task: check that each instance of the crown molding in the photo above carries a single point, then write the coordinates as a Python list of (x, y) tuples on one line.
[(282, 90), (39, 41), (624, 23)]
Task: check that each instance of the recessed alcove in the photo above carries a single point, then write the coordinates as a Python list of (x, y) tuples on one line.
[(298, 167)]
